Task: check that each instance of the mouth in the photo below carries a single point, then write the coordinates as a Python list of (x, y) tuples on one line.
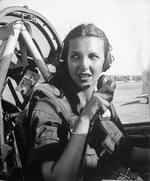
[(84, 76)]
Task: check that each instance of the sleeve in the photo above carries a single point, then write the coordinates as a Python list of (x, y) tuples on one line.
[(48, 134)]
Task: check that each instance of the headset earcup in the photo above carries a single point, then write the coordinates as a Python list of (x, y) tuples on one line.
[(108, 61)]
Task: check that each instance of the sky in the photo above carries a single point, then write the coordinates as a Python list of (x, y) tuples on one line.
[(125, 22)]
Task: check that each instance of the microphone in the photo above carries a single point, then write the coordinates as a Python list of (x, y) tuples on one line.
[(106, 87)]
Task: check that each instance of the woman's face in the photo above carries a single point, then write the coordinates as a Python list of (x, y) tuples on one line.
[(85, 60)]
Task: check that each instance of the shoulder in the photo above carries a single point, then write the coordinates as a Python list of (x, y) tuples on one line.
[(47, 89), (48, 97)]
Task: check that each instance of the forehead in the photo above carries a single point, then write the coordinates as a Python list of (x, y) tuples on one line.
[(86, 44)]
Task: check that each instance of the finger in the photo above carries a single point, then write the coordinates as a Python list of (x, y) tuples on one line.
[(107, 97), (100, 99), (106, 89)]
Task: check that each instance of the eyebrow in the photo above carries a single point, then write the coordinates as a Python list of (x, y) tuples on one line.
[(89, 52), (75, 52)]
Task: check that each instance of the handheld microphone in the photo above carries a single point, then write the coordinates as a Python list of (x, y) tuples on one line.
[(106, 87)]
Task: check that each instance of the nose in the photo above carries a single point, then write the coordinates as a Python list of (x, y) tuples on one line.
[(84, 65)]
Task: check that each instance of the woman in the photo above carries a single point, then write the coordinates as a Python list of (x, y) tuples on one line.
[(55, 155)]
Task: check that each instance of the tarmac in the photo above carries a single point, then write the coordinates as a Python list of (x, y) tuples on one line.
[(131, 109)]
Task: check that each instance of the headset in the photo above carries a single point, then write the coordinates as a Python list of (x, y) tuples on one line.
[(88, 30), (108, 61)]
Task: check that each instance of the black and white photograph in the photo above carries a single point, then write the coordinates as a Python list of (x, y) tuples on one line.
[(74, 90)]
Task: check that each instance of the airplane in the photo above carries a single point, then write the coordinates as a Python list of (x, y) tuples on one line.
[(145, 89), (23, 63), (138, 99), (145, 96)]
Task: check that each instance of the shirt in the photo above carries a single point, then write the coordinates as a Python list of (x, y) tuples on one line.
[(49, 134)]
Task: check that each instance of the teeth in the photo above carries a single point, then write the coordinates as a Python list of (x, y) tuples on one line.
[(84, 75)]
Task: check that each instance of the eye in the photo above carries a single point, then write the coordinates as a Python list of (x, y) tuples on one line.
[(75, 56), (94, 56)]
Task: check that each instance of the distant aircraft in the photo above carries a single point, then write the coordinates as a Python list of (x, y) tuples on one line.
[(145, 96), (145, 90)]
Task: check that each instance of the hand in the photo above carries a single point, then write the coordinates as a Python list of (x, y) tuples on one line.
[(96, 103), (101, 99)]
